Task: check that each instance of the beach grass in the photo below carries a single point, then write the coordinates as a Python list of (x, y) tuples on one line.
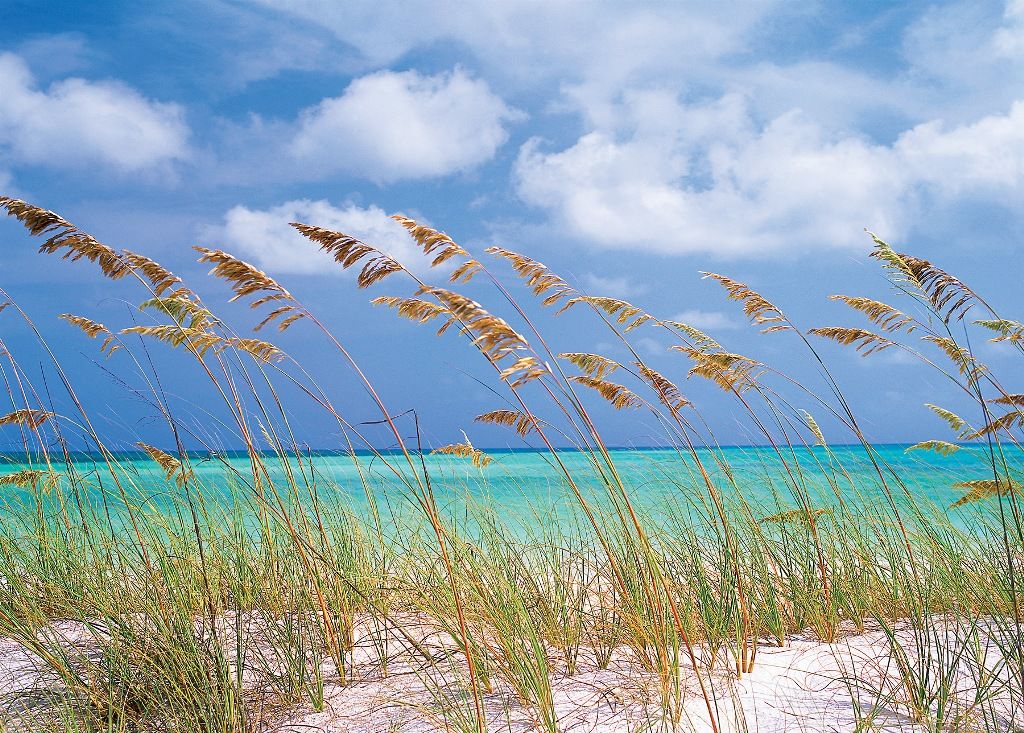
[(235, 615)]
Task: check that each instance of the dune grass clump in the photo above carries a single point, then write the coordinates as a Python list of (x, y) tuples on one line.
[(226, 602)]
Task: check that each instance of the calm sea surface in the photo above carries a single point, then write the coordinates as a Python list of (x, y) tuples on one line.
[(520, 483)]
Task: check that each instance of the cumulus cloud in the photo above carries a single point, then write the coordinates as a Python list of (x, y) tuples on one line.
[(86, 122), (967, 46), (395, 125), (986, 155), (265, 237), (678, 189)]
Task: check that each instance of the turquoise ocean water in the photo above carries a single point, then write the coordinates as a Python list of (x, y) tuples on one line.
[(522, 484)]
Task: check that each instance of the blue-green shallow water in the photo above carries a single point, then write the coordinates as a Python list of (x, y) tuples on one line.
[(519, 484)]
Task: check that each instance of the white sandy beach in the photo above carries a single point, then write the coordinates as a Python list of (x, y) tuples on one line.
[(807, 685)]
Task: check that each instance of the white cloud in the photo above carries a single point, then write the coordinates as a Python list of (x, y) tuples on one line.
[(611, 287), (1008, 41), (528, 39), (265, 237), (394, 125), (699, 48), (706, 320), (690, 185), (987, 155), (650, 346), (84, 122), (966, 56), (789, 184), (568, 57), (802, 149), (957, 60), (835, 96)]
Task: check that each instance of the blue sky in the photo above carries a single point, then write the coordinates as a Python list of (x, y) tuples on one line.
[(626, 145)]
